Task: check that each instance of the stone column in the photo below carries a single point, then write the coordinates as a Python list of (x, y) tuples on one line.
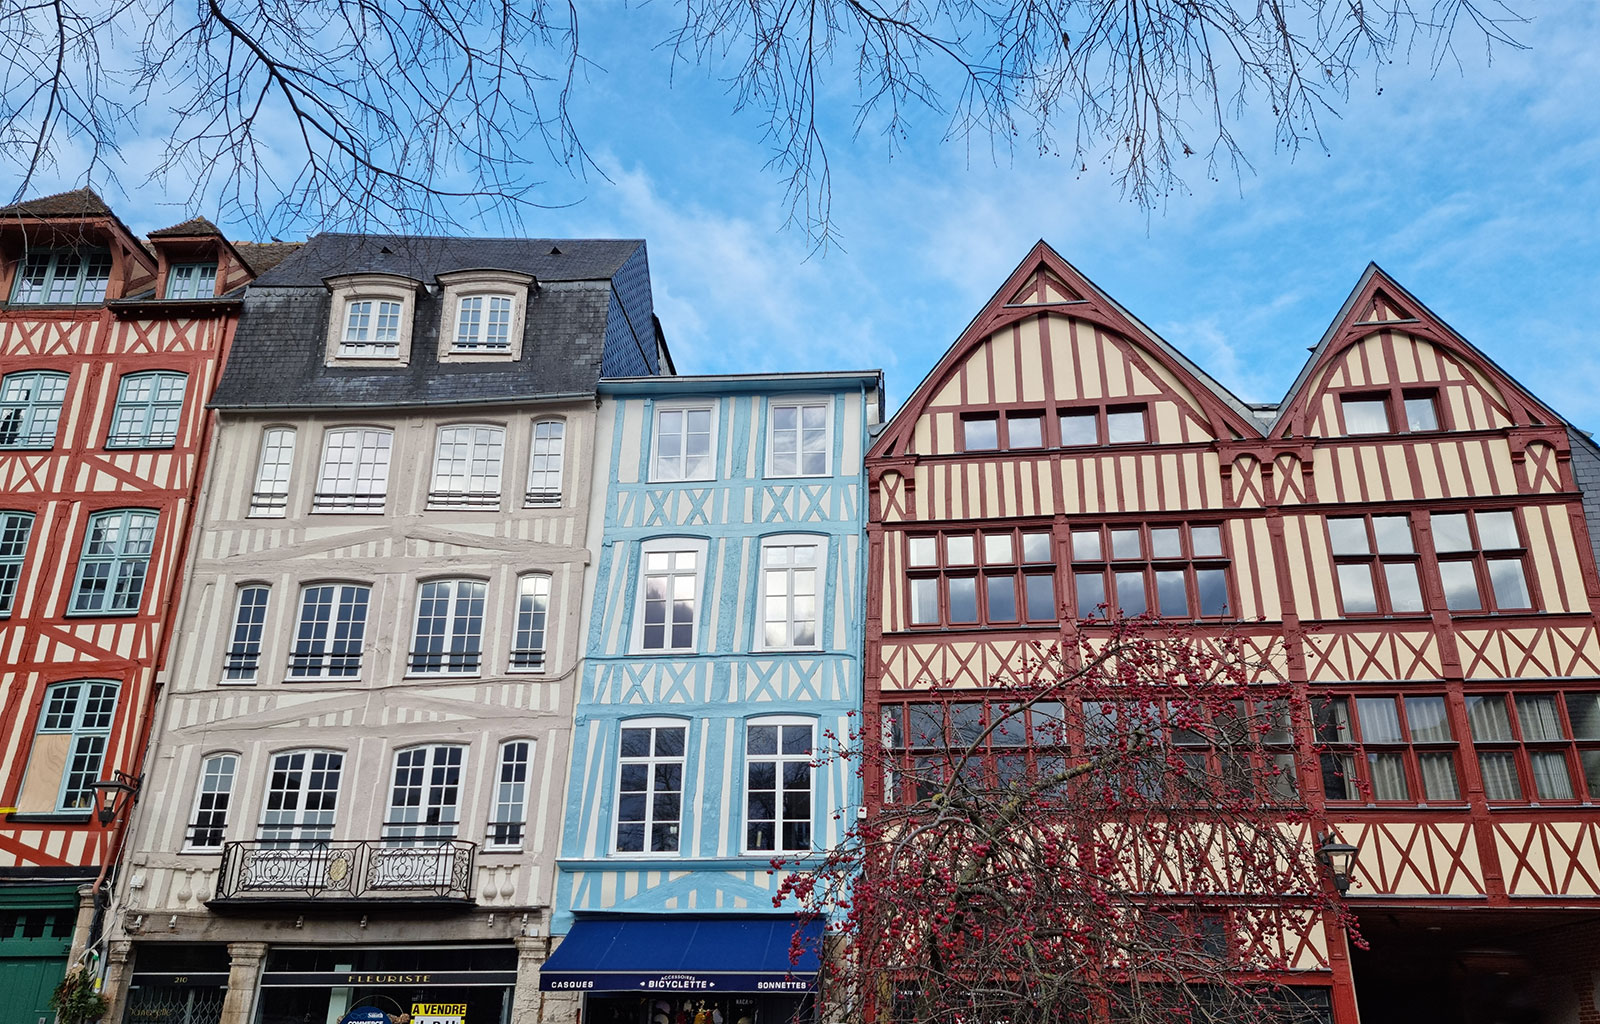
[(244, 975), (527, 1002), (119, 964), (83, 922)]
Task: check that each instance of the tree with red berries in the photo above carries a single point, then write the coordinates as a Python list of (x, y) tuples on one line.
[(1114, 833)]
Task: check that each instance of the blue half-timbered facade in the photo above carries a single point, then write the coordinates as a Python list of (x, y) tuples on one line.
[(723, 667)]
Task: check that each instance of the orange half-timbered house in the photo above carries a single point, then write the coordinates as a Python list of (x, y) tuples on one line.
[(1406, 537), (109, 351)]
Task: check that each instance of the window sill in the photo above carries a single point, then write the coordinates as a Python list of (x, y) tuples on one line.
[(99, 614), (237, 682), (797, 476), (146, 447), (443, 675), (532, 501), (273, 514), (786, 650), (200, 851), (346, 511), (40, 447), (514, 671), (50, 817), (323, 679)]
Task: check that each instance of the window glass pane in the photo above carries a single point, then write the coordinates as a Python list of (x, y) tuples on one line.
[(1339, 777), (1428, 721), (924, 602), (958, 550), (1439, 776), (544, 462), (1333, 720), (1510, 588), (1041, 597), (1212, 585), (1591, 771), (1126, 544), (922, 551), (1499, 770), (1086, 545), (1349, 536), (1388, 776), (1080, 428), (1497, 531), (1355, 587), (1536, 713), (997, 549), (1130, 593), (1394, 534), (1486, 715), (1460, 586), (1421, 414), (966, 724), (980, 433), (964, 600), (1450, 532), (1166, 542), (1036, 547), (1206, 540), (1365, 416), (1125, 426), (1405, 591), (1380, 720), (1551, 779), (1002, 595), (1025, 430), (1091, 592), (1171, 595), (1583, 710)]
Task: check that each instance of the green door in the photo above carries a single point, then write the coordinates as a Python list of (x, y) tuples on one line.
[(35, 938), (27, 983)]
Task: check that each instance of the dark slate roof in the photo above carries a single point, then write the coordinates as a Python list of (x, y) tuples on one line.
[(263, 256), (189, 228), (589, 312), (80, 202)]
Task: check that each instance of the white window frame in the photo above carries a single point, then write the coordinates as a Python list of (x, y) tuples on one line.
[(437, 790), (800, 403), (509, 813), (819, 574), (681, 474), (347, 290), (374, 454), (470, 658), (274, 471), (697, 546), (780, 759), (254, 636), (651, 761), (485, 445), (460, 285), (536, 659), (554, 449), (218, 772), (298, 820), (336, 618)]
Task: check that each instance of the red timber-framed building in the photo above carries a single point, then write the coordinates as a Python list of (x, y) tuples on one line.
[(109, 350), (1406, 530)]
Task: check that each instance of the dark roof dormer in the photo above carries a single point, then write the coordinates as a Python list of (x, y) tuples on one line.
[(69, 250)]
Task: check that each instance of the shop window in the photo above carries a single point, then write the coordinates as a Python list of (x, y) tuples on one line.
[(355, 471), (449, 634), (667, 611), (273, 469), (799, 437), (331, 631), (533, 613), (30, 408), (1387, 749), (240, 663), (69, 745), (789, 580), (510, 817), (778, 784), (466, 467), (192, 281), (650, 786), (1541, 747), (63, 277), (15, 528), (1171, 571), (113, 563), (682, 444), (1376, 562), (545, 463), (990, 577), (1481, 561), (208, 825)]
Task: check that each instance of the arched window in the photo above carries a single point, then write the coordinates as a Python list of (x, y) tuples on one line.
[(15, 527), (510, 816), (355, 471), (650, 785), (466, 467), (533, 613), (30, 408), (302, 799), (331, 631), (68, 747), (271, 496), (778, 776), (209, 823), (545, 463), (449, 635), (116, 555), (244, 649), (149, 406)]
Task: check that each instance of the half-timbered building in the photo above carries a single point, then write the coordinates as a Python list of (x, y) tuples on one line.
[(363, 743), (722, 668), (109, 351), (1408, 537)]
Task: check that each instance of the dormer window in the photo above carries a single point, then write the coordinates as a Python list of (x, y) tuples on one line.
[(484, 314), (192, 281), (369, 323), (63, 277)]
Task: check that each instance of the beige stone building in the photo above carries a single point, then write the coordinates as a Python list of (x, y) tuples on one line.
[(359, 760)]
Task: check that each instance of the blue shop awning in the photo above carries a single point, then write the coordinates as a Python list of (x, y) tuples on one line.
[(689, 954)]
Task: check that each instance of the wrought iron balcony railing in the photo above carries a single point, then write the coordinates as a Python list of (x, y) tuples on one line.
[(389, 870)]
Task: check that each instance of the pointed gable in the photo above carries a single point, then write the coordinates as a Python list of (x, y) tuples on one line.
[(1386, 347), (1050, 341)]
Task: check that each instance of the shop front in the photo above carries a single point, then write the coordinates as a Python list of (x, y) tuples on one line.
[(456, 984), (689, 970)]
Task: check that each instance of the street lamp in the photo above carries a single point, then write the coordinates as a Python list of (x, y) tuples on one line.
[(112, 796), (1339, 858)]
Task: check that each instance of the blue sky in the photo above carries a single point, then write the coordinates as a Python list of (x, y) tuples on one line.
[(1478, 189)]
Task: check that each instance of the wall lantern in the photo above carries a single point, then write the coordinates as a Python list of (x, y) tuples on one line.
[(112, 796), (1339, 858)]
